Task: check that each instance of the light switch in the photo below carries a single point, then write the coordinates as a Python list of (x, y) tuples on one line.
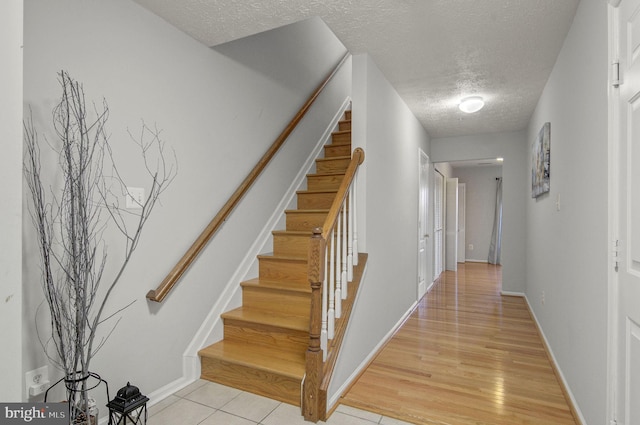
[(135, 197)]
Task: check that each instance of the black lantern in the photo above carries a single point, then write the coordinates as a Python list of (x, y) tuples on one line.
[(128, 407)]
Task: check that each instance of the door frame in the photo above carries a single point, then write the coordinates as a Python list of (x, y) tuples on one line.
[(462, 222), (451, 220), (438, 257), (424, 211), (613, 184)]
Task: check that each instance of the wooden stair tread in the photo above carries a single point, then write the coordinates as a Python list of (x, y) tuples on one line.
[(275, 285), (292, 232), (316, 191), (309, 211), (342, 131), (334, 158), (272, 256), (272, 318), (286, 363), (326, 174)]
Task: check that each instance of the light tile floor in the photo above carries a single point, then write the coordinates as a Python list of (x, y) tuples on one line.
[(207, 403)]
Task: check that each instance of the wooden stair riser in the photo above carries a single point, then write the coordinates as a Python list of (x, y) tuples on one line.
[(324, 181), (305, 219), (291, 245), (257, 381), (341, 138), (344, 125), (332, 151), (289, 302), (315, 200), (290, 270), (332, 165), (266, 336)]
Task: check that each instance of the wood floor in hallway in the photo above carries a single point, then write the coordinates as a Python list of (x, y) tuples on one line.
[(466, 355)]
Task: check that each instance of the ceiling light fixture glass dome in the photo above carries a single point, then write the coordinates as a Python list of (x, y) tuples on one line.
[(471, 104)]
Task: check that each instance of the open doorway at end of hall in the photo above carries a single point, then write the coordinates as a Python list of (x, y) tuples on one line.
[(467, 213)]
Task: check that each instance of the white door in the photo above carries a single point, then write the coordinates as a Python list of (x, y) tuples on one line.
[(423, 224), (624, 388), (451, 225), (462, 240), (438, 225)]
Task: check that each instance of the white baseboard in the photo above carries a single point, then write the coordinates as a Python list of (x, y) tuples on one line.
[(513, 294), (555, 363), (469, 260), (429, 288)]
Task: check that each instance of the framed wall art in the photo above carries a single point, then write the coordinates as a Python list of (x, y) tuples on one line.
[(540, 161)]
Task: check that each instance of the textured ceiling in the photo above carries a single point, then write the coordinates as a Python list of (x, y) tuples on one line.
[(433, 52)]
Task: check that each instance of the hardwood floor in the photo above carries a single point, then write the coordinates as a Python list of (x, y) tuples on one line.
[(466, 355)]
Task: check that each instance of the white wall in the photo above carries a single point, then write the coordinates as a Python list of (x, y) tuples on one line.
[(567, 249), (480, 208), (515, 172), (11, 195), (390, 135), (218, 113)]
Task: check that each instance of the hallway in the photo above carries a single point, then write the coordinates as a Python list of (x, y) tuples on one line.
[(466, 355)]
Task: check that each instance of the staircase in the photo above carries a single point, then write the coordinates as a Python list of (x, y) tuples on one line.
[(265, 340)]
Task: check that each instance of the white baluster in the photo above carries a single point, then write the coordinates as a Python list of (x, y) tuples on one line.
[(355, 221), (343, 258), (350, 236), (323, 330), (331, 313), (338, 243)]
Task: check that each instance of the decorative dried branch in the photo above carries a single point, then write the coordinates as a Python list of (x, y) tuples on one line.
[(71, 223)]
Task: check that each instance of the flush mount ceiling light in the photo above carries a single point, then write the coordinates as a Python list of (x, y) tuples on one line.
[(471, 104)]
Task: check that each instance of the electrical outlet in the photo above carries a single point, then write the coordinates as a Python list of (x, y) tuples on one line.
[(542, 297), (37, 381), (470, 247), (135, 197), (38, 389)]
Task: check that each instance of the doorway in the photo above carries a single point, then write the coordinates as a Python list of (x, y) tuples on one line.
[(451, 224), (423, 223), (624, 209), (438, 225)]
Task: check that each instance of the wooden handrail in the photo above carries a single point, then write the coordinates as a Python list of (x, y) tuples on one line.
[(313, 404), (196, 248)]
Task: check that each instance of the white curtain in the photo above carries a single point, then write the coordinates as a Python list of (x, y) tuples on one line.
[(496, 237)]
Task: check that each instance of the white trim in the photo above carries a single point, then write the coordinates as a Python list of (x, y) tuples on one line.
[(514, 294), (374, 352), (613, 211), (468, 260), (171, 388), (157, 396), (425, 227), (429, 288), (211, 329), (555, 363)]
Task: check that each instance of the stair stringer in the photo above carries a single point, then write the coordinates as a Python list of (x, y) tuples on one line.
[(211, 330)]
